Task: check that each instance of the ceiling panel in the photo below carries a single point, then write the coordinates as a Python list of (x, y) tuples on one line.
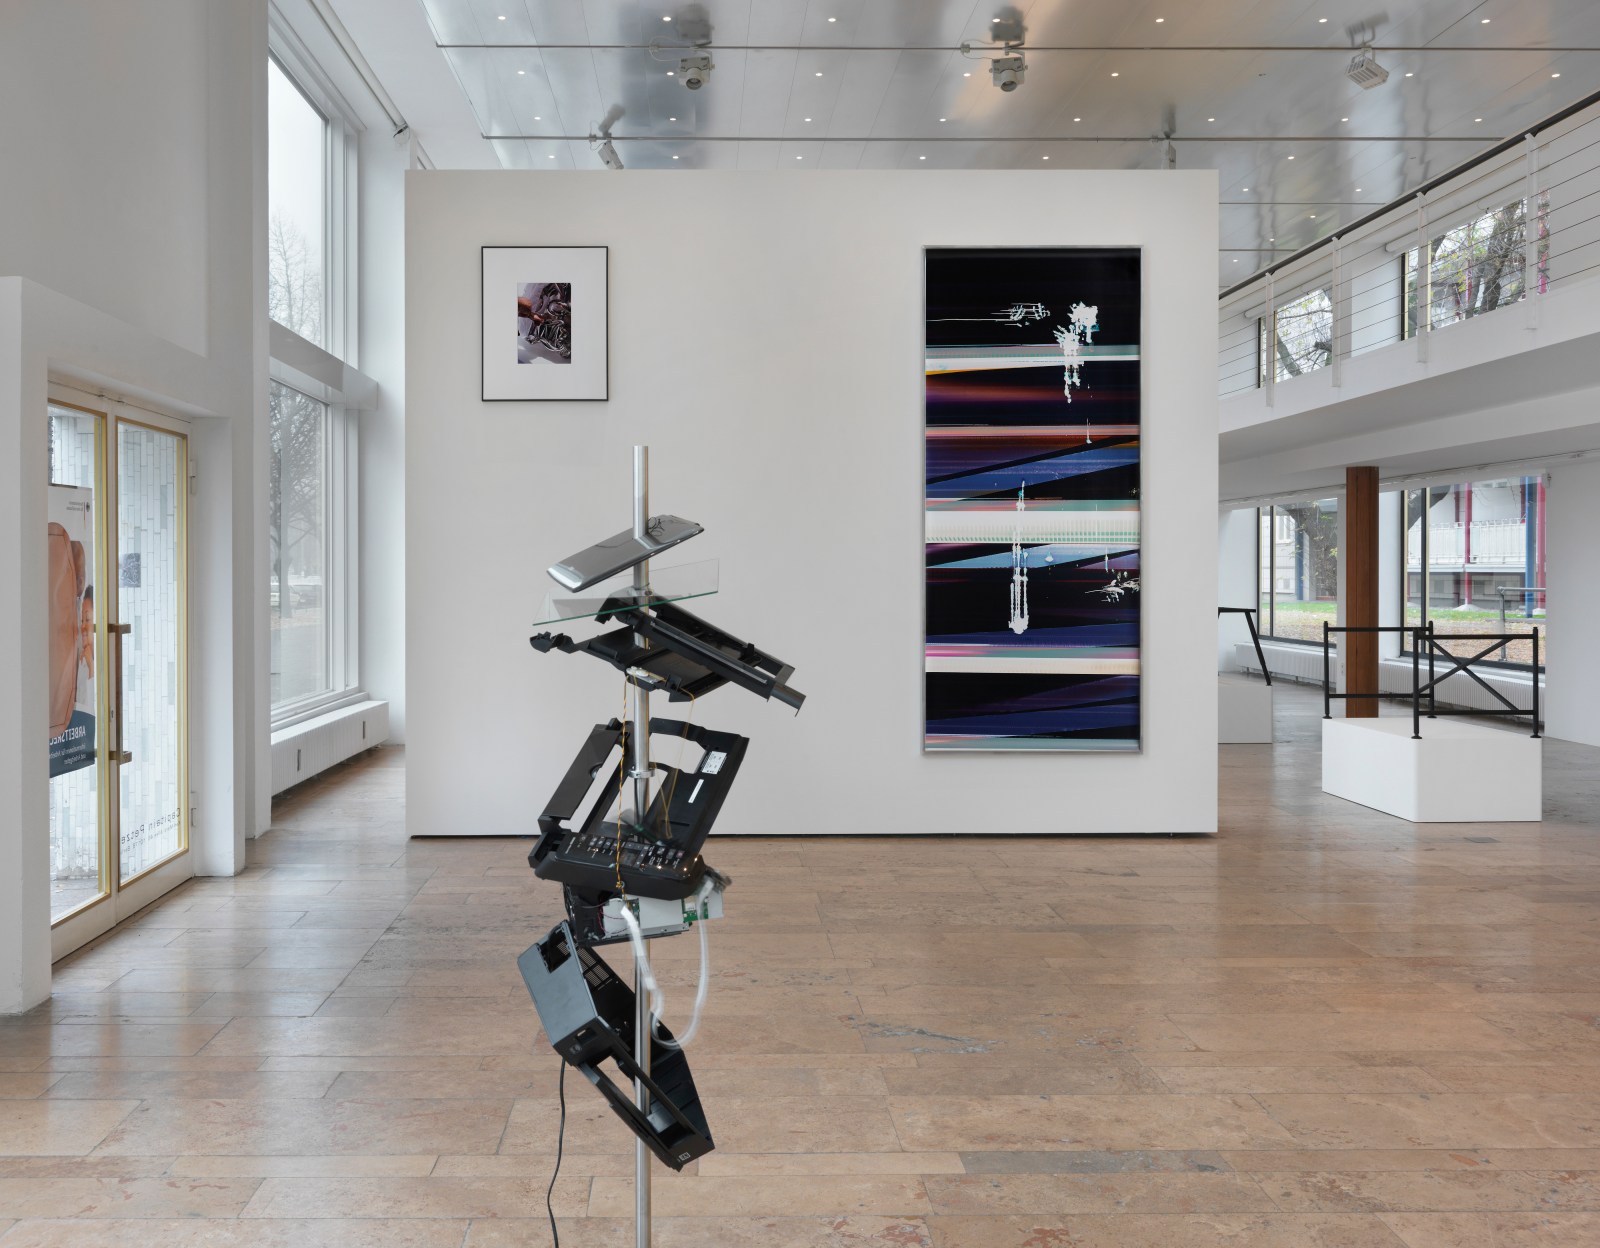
[(1255, 90)]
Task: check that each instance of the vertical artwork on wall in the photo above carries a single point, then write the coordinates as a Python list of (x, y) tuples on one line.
[(1032, 499)]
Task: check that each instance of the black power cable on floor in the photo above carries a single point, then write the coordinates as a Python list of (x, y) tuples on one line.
[(561, 1135)]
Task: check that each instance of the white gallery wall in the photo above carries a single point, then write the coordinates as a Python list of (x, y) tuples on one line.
[(766, 342), (1572, 575), (133, 264)]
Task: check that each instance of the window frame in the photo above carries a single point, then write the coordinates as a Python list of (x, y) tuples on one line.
[(1427, 489), (1267, 621), (327, 373)]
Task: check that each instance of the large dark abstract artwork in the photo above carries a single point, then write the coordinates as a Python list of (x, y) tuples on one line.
[(1032, 499)]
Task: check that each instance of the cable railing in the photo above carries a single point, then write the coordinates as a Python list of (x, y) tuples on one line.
[(1497, 238)]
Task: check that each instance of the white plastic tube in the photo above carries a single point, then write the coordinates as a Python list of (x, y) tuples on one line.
[(647, 974)]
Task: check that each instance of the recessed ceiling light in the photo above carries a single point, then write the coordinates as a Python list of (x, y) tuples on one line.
[(1483, 21), (538, 118), (994, 21), (1236, 259), (1358, 190), (944, 119), (671, 73), (520, 72), (672, 119), (808, 119), (1555, 75), (922, 158), (833, 19), (674, 158), (1291, 158), (968, 75), (1313, 216), (819, 73), (502, 17), (1272, 240), (1210, 118), (799, 157), (1477, 119), (666, 19), (1159, 20), (1344, 119), (1077, 119), (1322, 21), (1115, 74), (1044, 158), (1409, 74), (551, 156), (1245, 188)]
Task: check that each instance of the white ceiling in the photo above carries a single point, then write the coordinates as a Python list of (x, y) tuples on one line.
[(1241, 86)]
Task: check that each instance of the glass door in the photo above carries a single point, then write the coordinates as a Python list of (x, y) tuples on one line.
[(119, 830), (75, 578)]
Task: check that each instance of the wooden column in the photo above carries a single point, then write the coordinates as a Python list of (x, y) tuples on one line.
[(1360, 556)]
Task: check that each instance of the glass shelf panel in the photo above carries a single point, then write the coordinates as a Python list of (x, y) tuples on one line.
[(674, 584)]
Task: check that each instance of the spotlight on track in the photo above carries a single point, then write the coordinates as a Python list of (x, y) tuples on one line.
[(694, 70), (1365, 71), (1008, 71)]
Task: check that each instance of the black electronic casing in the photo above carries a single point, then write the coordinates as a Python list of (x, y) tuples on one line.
[(661, 853), (588, 1014)]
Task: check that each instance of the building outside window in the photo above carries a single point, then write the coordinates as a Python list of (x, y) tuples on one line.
[(1474, 562), (1298, 553)]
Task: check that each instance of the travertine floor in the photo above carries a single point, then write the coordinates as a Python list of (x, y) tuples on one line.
[(1324, 1027)]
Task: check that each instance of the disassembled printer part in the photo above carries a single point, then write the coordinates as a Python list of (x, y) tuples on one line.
[(633, 870)]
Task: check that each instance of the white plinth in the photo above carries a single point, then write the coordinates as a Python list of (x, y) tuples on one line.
[(1244, 710), (1457, 773)]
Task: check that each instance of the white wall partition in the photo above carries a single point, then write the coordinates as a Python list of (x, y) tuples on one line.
[(766, 342), (132, 264)]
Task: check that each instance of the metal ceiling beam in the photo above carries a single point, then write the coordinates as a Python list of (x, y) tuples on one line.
[(993, 47), (1004, 138)]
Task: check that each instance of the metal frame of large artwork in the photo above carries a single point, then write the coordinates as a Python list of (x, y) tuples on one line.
[(1031, 498)]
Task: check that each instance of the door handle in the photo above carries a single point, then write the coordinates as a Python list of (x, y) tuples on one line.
[(118, 754)]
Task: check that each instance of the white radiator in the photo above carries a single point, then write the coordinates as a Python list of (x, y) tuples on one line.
[(1304, 663), (301, 751)]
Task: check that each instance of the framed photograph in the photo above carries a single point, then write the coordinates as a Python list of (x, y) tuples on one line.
[(545, 324)]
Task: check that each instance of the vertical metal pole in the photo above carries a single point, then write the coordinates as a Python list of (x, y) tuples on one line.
[(1532, 278), (1341, 306), (1433, 679), (1416, 688), (1327, 675), (1269, 351), (1536, 726), (1424, 281), (639, 743)]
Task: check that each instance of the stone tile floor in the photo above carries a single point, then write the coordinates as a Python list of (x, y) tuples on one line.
[(1324, 1028)]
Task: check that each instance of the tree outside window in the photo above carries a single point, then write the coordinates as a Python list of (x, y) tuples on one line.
[(1300, 569)]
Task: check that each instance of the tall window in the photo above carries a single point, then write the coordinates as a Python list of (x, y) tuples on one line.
[(298, 529), (1301, 331), (297, 208), (310, 164), (1298, 553), (1474, 268), (1474, 562)]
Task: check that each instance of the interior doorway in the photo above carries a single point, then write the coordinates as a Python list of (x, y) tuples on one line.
[(118, 589)]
